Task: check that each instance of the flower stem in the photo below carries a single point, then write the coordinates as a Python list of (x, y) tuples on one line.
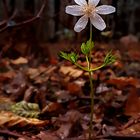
[(91, 87), (92, 106)]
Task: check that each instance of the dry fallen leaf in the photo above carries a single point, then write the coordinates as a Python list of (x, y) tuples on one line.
[(68, 124), (122, 82), (134, 55), (74, 88), (71, 71), (7, 76), (34, 72), (52, 108), (132, 107), (20, 60), (40, 74), (5, 103), (47, 136), (17, 86), (131, 130), (9, 119), (63, 96), (64, 130)]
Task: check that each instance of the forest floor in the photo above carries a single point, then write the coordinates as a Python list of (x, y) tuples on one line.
[(48, 99)]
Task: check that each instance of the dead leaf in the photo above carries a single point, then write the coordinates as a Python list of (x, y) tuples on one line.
[(47, 136), (64, 130), (40, 74), (32, 94), (9, 119), (107, 74), (71, 71), (20, 60), (133, 69), (74, 88), (131, 130), (134, 55), (132, 107), (63, 96), (118, 64), (17, 86), (7, 76), (122, 82), (102, 88), (52, 108), (5, 103), (34, 72), (68, 124)]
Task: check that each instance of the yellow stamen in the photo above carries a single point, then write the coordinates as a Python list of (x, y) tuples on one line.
[(88, 9)]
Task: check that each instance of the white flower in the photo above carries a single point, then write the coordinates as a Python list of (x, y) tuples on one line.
[(88, 10)]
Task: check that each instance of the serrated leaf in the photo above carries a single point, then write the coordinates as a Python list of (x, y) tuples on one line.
[(84, 49), (64, 55), (109, 59), (10, 120), (70, 57), (90, 44), (87, 47), (73, 57), (24, 109)]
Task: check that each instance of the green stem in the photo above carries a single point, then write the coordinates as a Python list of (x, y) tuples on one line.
[(92, 106), (83, 68), (87, 68), (91, 88), (88, 63), (97, 68)]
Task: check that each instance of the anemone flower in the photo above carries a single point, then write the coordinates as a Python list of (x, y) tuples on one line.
[(88, 10)]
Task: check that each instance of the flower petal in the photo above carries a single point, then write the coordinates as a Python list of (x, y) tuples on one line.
[(81, 2), (81, 24), (105, 9), (98, 22), (74, 10), (93, 2)]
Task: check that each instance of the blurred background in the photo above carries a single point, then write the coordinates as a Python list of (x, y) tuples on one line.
[(32, 33), (25, 25)]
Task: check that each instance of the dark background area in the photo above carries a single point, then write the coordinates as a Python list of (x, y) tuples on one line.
[(54, 25)]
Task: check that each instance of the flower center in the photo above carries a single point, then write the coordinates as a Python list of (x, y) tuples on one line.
[(88, 9)]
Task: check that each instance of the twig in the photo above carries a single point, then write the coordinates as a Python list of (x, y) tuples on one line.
[(119, 137), (38, 15), (9, 133)]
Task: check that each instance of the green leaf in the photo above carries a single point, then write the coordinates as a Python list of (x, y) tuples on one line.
[(73, 57), (90, 45), (84, 49), (64, 55), (109, 59), (87, 47)]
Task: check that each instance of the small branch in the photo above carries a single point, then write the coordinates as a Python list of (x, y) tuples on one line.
[(42, 8), (83, 68), (24, 22), (117, 137), (97, 68), (9, 133), (34, 18), (2, 23)]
